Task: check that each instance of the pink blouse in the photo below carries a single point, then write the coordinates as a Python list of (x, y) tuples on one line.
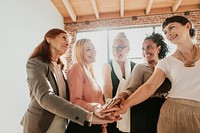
[(81, 91)]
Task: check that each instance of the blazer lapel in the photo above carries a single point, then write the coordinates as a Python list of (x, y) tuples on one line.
[(53, 76), (52, 73)]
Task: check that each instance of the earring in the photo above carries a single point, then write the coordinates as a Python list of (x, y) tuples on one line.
[(49, 41)]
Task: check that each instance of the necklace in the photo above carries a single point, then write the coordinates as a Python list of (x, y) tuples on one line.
[(188, 63)]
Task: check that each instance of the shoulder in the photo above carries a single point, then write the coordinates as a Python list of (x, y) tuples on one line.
[(35, 59), (166, 64), (36, 66), (106, 67), (139, 67), (167, 60), (76, 66), (36, 62)]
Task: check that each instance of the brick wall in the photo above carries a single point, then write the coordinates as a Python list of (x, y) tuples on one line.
[(72, 28)]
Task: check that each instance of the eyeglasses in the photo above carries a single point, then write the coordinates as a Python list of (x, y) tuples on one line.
[(119, 48)]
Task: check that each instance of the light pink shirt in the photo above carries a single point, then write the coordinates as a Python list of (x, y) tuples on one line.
[(81, 91)]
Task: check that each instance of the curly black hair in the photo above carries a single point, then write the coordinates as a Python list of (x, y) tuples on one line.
[(159, 40)]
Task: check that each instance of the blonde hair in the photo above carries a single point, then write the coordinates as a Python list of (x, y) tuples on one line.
[(78, 54), (121, 37)]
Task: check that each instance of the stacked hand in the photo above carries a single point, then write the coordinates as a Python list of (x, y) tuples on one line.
[(111, 111), (115, 106), (101, 117)]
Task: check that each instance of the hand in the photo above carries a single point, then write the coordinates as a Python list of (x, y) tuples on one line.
[(97, 111), (112, 104), (97, 120), (118, 109), (110, 110), (107, 114), (123, 107)]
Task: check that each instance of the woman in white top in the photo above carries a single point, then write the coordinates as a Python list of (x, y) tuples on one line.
[(181, 111)]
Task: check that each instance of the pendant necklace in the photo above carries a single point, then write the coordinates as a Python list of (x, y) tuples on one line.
[(188, 63)]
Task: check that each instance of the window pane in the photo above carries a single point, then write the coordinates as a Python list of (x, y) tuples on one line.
[(135, 36), (103, 40)]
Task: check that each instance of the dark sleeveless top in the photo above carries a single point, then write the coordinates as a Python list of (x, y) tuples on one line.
[(115, 80)]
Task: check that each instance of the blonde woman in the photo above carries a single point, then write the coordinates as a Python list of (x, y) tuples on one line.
[(83, 87), (49, 107)]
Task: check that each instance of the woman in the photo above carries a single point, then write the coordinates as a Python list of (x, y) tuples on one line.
[(180, 112), (145, 115), (84, 89), (115, 75), (48, 108)]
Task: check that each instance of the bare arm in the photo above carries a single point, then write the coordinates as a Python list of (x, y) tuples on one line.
[(135, 80), (107, 82), (146, 90), (141, 94)]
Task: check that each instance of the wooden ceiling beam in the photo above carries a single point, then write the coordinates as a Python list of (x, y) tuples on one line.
[(188, 8), (70, 10), (116, 15), (121, 8), (149, 5), (94, 5), (176, 5)]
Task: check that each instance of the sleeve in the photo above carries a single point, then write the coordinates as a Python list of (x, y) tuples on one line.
[(42, 91), (76, 87), (162, 64), (135, 79)]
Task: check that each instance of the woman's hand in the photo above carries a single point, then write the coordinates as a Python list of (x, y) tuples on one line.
[(97, 111), (112, 105), (97, 120), (123, 107)]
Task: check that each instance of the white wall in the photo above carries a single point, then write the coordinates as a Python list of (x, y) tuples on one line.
[(23, 24)]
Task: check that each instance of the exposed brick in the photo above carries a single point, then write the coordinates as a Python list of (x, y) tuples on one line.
[(125, 22)]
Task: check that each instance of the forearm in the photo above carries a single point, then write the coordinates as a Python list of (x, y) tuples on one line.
[(86, 105), (64, 108), (107, 90), (123, 95), (140, 95)]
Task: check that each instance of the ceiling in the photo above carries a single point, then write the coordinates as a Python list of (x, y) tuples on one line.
[(91, 10)]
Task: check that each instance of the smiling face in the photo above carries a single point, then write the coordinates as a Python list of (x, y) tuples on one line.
[(176, 32), (89, 52), (120, 50), (150, 51), (58, 45)]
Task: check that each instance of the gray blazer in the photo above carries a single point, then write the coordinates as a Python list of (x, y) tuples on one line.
[(45, 102)]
